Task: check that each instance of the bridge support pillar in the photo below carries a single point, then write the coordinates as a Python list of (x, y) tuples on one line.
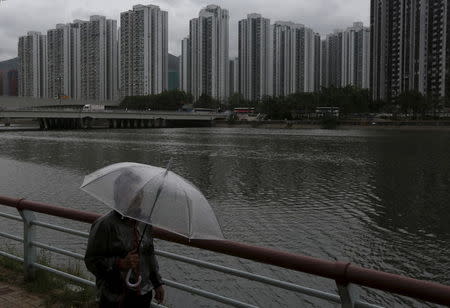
[(146, 123), (139, 123), (159, 123), (41, 124), (84, 123), (132, 123), (348, 293), (111, 123)]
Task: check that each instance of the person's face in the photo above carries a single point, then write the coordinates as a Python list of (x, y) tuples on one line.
[(135, 208)]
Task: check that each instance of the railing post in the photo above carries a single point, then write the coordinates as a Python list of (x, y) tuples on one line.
[(29, 251), (348, 293)]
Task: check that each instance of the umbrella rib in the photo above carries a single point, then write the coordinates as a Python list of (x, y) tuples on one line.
[(189, 206), (153, 207)]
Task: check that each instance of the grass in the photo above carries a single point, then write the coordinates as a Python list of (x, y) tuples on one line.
[(54, 290)]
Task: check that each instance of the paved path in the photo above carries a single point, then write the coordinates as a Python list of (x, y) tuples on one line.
[(14, 297)]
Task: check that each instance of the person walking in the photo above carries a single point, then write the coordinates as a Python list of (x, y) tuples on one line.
[(116, 246)]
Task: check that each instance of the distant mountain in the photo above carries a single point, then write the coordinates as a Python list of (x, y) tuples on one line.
[(173, 63), (9, 64)]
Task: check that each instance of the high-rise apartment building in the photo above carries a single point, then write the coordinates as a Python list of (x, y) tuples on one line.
[(8, 83), (410, 47), (295, 68), (143, 50), (64, 61), (317, 61), (11, 78), (185, 59), (255, 57), (356, 56), (324, 65), (234, 76), (346, 57), (32, 52), (208, 68), (333, 50), (98, 50)]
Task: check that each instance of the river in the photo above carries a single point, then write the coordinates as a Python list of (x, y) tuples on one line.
[(377, 198)]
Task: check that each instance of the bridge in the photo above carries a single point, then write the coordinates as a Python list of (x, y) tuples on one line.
[(69, 114), (70, 118)]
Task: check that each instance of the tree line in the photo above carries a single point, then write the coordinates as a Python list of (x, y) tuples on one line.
[(350, 100)]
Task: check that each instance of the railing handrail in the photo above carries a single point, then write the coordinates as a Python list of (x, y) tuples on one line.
[(342, 272)]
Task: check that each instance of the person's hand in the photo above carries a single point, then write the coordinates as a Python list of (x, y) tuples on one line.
[(130, 261), (159, 294)]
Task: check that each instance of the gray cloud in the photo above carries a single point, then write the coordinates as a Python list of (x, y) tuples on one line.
[(19, 16)]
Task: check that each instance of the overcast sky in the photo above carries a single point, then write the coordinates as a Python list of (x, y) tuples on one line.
[(19, 16)]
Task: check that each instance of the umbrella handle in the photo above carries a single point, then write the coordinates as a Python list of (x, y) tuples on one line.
[(132, 285)]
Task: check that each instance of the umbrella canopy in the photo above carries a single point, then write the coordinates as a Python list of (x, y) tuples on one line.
[(154, 196)]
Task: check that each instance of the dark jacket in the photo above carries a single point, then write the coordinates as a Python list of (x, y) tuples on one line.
[(112, 238)]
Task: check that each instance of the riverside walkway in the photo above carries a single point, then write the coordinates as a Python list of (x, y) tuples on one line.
[(348, 277), (12, 296)]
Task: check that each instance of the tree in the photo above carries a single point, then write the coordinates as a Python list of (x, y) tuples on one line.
[(436, 104), (412, 101), (206, 101), (237, 100), (302, 103), (166, 100), (276, 108)]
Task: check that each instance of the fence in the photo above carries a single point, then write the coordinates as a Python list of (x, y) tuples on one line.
[(346, 275)]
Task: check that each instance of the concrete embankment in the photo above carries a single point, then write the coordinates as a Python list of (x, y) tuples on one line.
[(345, 124), (390, 125)]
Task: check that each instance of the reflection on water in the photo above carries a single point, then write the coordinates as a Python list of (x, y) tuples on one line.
[(375, 198)]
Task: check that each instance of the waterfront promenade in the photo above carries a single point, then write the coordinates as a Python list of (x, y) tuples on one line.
[(13, 296)]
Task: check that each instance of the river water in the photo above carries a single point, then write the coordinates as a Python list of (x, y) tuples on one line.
[(377, 198)]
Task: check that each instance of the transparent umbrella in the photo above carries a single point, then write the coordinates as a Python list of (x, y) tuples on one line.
[(155, 196)]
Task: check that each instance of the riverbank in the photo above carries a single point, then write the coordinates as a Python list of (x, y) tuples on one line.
[(46, 290), (346, 124), (389, 125), (13, 296)]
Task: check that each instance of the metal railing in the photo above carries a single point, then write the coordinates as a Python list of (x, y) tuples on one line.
[(346, 275)]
